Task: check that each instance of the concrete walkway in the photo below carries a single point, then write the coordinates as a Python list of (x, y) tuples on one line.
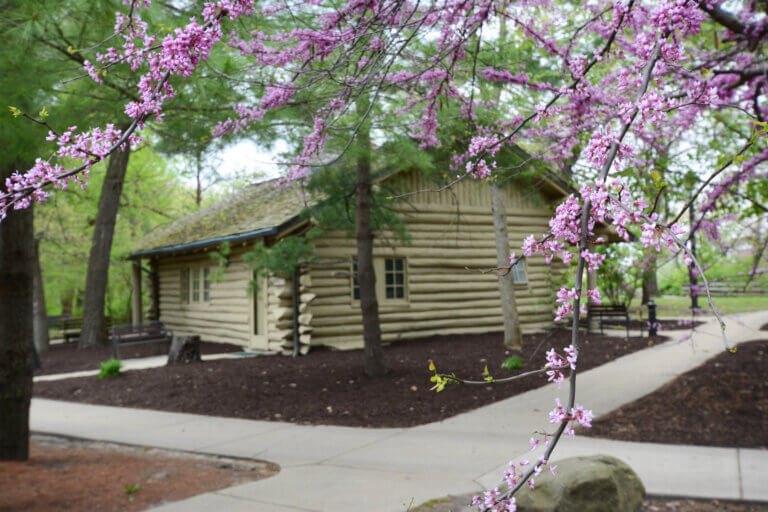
[(142, 363), (339, 469)]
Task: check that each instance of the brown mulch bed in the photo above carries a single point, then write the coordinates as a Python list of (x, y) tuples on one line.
[(68, 475), (724, 402), (329, 387), (650, 504), (66, 357)]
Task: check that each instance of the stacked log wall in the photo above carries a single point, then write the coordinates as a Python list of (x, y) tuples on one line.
[(450, 232), (226, 317)]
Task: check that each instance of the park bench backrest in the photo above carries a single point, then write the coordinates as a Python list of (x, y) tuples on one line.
[(147, 331), (70, 323), (142, 333)]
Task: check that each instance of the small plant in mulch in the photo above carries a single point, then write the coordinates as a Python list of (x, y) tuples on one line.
[(131, 490), (512, 363), (110, 368)]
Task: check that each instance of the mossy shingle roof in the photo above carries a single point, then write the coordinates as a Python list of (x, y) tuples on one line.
[(259, 206)]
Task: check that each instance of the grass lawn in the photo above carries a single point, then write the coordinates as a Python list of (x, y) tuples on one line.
[(673, 305)]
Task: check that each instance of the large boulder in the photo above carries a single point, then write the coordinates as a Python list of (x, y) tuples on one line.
[(184, 349), (599, 483)]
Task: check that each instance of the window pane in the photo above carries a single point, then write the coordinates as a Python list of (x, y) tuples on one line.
[(394, 278), (195, 285), (518, 272), (206, 285), (184, 286)]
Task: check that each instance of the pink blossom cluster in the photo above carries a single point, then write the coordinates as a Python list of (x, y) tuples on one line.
[(491, 501), (577, 414), (597, 149), (179, 54), (88, 147), (556, 363)]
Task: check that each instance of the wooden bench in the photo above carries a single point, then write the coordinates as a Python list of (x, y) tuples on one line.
[(70, 327), (129, 334), (608, 311)]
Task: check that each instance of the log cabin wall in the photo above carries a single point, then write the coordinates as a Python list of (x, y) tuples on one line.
[(449, 231), (225, 317)]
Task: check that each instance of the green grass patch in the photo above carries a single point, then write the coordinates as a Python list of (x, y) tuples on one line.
[(679, 306)]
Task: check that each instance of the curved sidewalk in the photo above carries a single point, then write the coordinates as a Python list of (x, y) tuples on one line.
[(339, 469)]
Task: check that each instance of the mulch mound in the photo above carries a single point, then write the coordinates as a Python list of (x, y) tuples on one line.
[(329, 387), (764, 328), (66, 475), (66, 357), (723, 402)]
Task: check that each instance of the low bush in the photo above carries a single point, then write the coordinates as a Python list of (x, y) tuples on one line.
[(110, 368)]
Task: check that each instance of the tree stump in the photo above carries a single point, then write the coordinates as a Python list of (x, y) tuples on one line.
[(184, 349)]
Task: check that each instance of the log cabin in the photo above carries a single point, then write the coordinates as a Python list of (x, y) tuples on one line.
[(423, 287)]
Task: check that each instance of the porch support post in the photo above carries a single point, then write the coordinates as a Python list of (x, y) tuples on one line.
[(136, 298)]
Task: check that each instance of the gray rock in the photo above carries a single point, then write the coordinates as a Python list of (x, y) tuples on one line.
[(599, 483), (184, 349)]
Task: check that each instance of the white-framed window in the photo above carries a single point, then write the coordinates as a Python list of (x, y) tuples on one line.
[(394, 278), (206, 285), (195, 285), (391, 280), (519, 275)]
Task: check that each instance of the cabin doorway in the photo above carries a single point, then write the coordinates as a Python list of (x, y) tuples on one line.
[(257, 291)]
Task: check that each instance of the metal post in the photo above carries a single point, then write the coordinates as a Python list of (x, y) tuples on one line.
[(652, 325)]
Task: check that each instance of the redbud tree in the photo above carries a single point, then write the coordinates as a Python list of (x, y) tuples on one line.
[(624, 78)]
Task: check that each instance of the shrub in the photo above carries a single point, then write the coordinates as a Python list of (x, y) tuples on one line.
[(513, 363), (110, 368)]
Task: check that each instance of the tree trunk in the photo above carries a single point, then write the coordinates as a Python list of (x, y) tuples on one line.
[(369, 305), (692, 276), (512, 336), (592, 323), (16, 330), (42, 343), (650, 284), (94, 325), (199, 185)]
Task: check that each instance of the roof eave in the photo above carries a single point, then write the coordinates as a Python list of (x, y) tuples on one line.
[(202, 244)]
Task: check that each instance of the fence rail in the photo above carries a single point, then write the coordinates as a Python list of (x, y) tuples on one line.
[(724, 289)]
